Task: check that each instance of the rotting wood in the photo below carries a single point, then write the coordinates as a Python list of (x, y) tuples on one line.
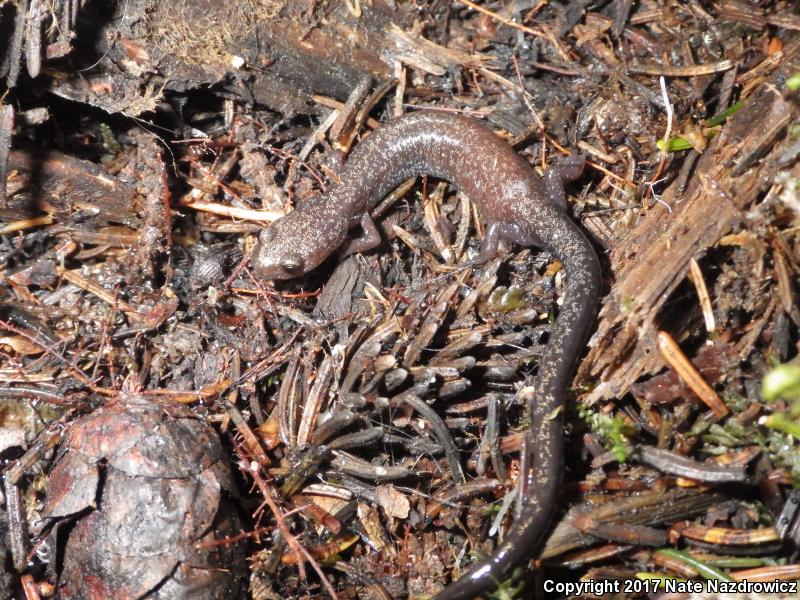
[(78, 192), (275, 53), (653, 259), (39, 30)]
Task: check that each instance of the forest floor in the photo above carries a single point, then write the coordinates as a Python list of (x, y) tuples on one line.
[(171, 425)]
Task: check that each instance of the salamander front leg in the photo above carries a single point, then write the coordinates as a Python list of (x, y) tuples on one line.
[(496, 233), (560, 173), (369, 239)]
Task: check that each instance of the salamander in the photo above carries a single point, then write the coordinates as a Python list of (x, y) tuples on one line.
[(518, 207)]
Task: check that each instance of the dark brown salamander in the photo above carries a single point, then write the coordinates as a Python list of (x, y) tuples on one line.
[(519, 207)]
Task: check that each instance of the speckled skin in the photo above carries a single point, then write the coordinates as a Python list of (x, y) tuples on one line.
[(519, 207)]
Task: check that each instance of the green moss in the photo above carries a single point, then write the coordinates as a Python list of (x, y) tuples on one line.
[(782, 384), (614, 432), (512, 587)]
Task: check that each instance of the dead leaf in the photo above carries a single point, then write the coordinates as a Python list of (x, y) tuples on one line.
[(393, 502)]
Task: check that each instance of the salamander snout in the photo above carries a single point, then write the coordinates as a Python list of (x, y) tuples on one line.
[(297, 243), (275, 256)]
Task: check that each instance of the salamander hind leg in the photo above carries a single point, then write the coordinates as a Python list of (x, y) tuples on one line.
[(369, 239), (560, 173)]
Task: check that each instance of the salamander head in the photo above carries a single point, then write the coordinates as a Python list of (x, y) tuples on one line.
[(296, 244)]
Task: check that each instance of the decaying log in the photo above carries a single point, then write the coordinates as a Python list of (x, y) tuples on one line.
[(272, 52), (79, 193), (738, 166)]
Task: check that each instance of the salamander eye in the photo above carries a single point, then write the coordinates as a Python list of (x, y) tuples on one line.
[(266, 235), (292, 264)]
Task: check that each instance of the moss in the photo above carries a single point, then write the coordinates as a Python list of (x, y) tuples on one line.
[(205, 35), (612, 431)]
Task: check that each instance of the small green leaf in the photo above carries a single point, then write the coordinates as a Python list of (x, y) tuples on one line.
[(678, 143), (702, 568), (720, 118), (782, 382), (737, 562), (793, 82), (675, 144), (781, 422)]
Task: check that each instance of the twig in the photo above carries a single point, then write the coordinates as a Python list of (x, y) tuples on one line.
[(686, 370), (297, 547), (6, 131), (545, 34), (50, 349), (676, 71), (696, 276)]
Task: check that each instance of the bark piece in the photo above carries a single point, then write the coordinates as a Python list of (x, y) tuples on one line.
[(654, 257), (78, 192), (646, 509), (273, 52)]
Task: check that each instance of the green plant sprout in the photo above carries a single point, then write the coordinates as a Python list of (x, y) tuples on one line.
[(783, 383), (677, 143)]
